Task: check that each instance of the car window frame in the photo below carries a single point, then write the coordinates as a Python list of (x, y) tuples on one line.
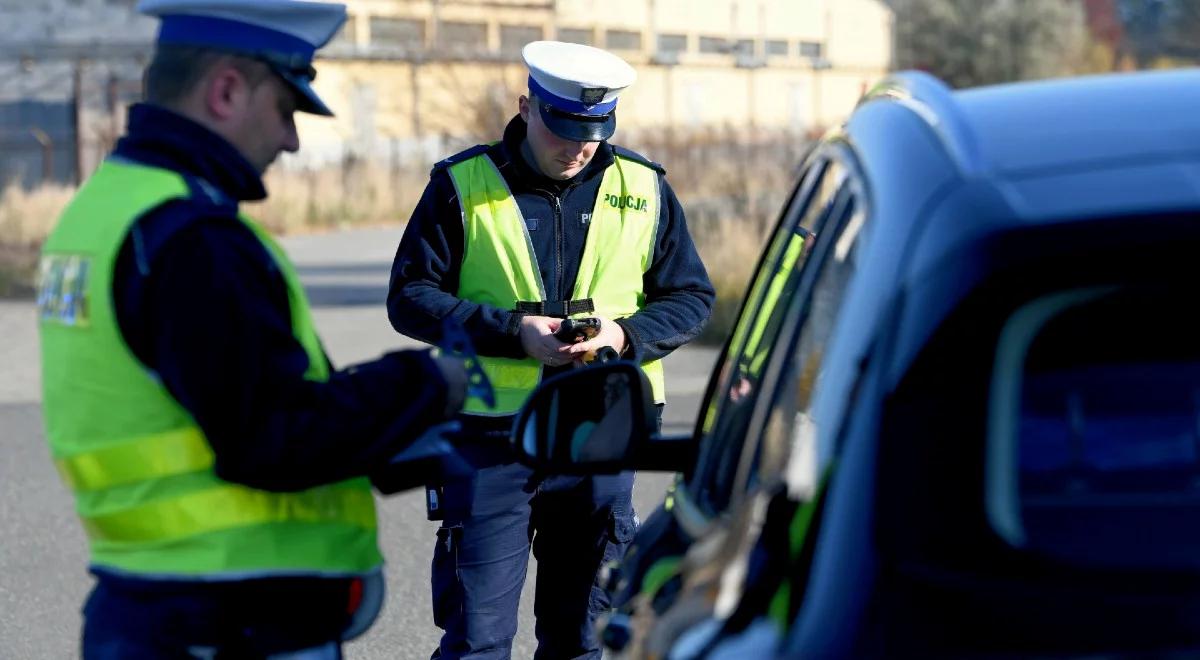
[(713, 448), (857, 205), (851, 204), (832, 160)]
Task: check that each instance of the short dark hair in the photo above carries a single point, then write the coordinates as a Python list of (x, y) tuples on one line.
[(175, 70)]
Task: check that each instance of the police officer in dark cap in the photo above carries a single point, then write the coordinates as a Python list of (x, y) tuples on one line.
[(218, 461), (552, 222)]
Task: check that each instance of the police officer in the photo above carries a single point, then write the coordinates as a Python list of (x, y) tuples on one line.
[(217, 460), (552, 221)]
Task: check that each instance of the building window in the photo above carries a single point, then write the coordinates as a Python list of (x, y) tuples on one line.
[(514, 37), (672, 43), (623, 40), (810, 49), (575, 36), (777, 47), (744, 47), (401, 32), (345, 34), (460, 35), (713, 45)]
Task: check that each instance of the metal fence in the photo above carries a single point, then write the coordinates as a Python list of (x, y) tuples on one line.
[(38, 143), (60, 113)]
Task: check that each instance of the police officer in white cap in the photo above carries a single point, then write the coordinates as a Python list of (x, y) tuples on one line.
[(217, 459), (552, 222)]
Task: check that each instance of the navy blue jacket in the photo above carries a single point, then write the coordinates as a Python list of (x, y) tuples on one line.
[(679, 295), (201, 304)]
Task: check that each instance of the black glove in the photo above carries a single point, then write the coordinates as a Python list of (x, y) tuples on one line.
[(430, 458)]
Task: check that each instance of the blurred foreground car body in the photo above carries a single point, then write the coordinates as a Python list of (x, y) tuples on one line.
[(959, 415)]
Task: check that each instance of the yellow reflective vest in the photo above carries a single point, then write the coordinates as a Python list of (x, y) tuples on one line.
[(138, 464), (500, 269)]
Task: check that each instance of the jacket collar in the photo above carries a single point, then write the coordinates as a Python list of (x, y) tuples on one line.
[(159, 137)]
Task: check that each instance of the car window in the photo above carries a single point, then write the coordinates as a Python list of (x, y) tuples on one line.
[(728, 411), (791, 433), (1094, 446)]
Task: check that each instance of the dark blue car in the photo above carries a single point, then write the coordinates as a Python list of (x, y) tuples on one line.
[(959, 415)]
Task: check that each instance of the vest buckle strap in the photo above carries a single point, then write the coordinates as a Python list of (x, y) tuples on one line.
[(556, 308)]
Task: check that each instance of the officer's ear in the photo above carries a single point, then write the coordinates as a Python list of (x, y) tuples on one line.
[(229, 86), (523, 107)]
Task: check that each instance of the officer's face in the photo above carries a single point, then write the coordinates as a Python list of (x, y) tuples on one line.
[(272, 125), (556, 158), (253, 108)]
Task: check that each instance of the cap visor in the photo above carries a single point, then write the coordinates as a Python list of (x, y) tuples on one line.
[(576, 128), (306, 98)]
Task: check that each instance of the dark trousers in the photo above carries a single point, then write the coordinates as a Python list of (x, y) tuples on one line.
[(574, 525), (272, 618)]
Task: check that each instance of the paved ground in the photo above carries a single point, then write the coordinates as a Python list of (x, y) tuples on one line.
[(42, 555)]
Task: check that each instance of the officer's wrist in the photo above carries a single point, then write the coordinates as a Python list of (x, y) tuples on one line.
[(627, 350)]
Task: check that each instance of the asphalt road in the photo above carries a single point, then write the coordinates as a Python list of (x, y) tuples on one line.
[(42, 548)]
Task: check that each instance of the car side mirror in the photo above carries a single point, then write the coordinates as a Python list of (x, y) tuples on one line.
[(589, 420)]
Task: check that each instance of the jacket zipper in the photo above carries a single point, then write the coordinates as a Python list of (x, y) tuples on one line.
[(558, 248)]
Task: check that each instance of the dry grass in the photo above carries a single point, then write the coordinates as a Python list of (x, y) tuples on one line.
[(356, 193), (731, 188), (730, 252), (26, 217), (732, 185)]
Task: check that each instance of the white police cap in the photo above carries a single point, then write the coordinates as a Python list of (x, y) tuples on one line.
[(283, 33), (578, 88)]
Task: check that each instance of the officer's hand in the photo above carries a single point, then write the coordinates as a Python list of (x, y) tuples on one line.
[(537, 338), (611, 334)]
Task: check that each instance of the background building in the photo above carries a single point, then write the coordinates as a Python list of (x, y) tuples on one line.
[(410, 79), (436, 69)]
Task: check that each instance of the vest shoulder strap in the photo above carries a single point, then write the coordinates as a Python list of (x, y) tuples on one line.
[(629, 154), (459, 157), (162, 222)]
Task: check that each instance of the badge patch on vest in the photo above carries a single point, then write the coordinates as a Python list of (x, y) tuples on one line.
[(62, 289), (626, 202)]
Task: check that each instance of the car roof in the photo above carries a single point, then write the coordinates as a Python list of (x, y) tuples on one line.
[(1009, 129), (1031, 126), (954, 166)]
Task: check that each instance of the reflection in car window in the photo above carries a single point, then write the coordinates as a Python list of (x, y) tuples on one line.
[(728, 412), (791, 430), (1094, 441)]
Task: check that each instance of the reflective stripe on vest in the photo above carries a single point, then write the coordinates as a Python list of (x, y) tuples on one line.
[(499, 266), (746, 341), (755, 351), (140, 467)]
